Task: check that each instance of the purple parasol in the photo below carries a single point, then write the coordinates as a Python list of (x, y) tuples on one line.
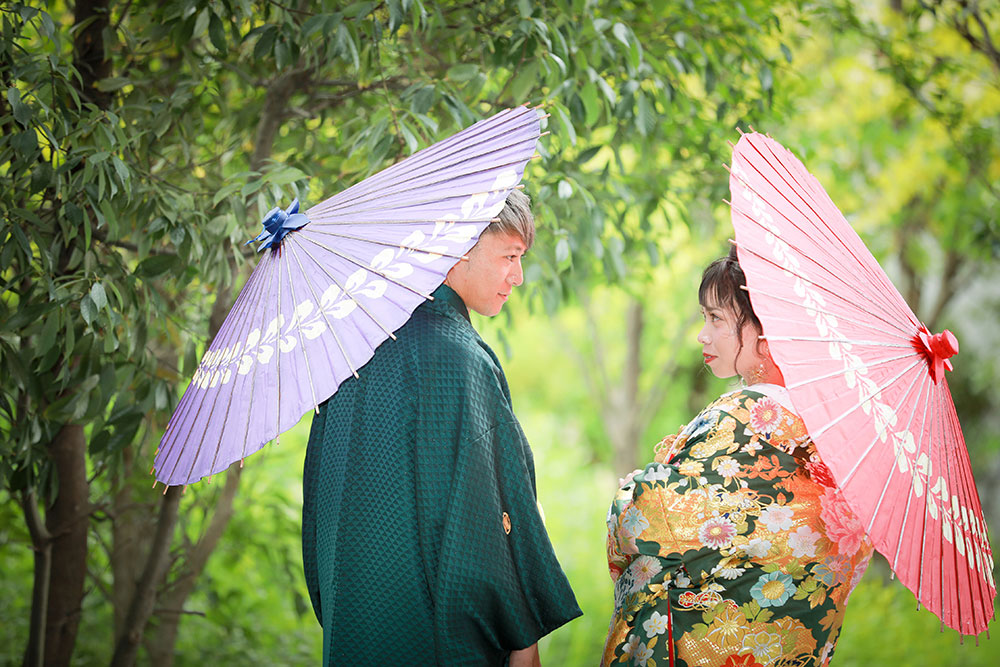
[(332, 284)]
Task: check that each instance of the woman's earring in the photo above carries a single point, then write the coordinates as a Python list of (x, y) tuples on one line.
[(756, 375)]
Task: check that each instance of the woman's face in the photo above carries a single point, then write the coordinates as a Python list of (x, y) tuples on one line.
[(721, 343)]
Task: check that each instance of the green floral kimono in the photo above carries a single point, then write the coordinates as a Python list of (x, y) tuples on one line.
[(736, 544)]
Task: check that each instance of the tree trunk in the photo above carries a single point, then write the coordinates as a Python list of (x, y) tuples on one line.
[(133, 526), (174, 594), (171, 601), (620, 405), (141, 607), (622, 418), (89, 49), (67, 521), (41, 542)]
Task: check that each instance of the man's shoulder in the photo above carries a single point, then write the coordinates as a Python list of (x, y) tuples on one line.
[(437, 342)]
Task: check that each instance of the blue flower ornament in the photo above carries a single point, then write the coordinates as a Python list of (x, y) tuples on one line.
[(278, 223)]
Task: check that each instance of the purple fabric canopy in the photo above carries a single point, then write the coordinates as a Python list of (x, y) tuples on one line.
[(328, 292)]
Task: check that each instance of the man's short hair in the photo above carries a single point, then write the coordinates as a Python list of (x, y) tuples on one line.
[(515, 218)]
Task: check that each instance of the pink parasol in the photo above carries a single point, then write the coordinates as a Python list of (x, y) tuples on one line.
[(868, 379)]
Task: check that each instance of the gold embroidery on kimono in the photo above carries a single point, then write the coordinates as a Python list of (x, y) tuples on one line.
[(735, 542)]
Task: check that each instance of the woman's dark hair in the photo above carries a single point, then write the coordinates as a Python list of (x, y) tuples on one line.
[(723, 283)]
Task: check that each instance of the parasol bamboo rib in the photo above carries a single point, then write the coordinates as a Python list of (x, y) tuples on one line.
[(867, 399), (919, 446), (966, 483), (179, 419), (906, 332), (797, 191), (892, 471), (251, 381), (358, 192), (357, 263), (326, 319), (389, 244), (388, 204), (858, 406), (875, 363), (291, 288), (888, 306), (225, 344), (322, 267), (200, 399), (825, 267), (841, 318)]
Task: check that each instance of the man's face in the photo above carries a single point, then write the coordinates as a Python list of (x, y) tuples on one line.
[(492, 271)]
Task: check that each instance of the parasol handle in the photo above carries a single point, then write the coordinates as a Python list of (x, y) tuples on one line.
[(937, 348)]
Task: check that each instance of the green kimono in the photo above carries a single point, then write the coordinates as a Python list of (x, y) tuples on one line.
[(421, 536)]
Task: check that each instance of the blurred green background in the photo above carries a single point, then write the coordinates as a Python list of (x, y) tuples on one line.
[(140, 143)]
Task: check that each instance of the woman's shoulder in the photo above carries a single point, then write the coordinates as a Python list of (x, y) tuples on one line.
[(763, 414)]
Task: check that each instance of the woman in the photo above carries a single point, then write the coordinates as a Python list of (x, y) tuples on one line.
[(734, 547)]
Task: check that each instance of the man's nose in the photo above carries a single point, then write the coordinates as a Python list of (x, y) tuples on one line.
[(516, 276)]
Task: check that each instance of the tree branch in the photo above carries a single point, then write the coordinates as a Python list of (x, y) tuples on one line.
[(145, 594), (41, 543), (983, 45)]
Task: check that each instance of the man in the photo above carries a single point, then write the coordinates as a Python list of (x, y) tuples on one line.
[(422, 540)]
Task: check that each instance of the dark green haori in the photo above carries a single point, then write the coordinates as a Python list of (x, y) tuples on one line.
[(421, 535)]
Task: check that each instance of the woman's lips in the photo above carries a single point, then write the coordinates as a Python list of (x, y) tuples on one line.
[(708, 357)]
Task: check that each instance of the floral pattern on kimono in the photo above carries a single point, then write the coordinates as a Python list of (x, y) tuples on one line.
[(736, 542)]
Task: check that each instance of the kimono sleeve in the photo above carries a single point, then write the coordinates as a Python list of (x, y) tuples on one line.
[(500, 585), (309, 560)]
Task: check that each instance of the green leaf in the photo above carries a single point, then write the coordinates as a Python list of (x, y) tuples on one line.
[(564, 257), (265, 44), (347, 45), (87, 309), (285, 175), (587, 155), (98, 295), (225, 192), (588, 95), (111, 84), (621, 33), (567, 125), (766, 78), (155, 265), (524, 82), (217, 33), (47, 336), (463, 72), (25, 142), (565, 189), (22, 112), (396, 15), (645, 115)]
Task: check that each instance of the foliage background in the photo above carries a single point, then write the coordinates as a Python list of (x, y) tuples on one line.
[(118, 251)]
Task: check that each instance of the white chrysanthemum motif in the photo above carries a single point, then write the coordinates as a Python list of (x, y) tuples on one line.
[(311, 320)]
